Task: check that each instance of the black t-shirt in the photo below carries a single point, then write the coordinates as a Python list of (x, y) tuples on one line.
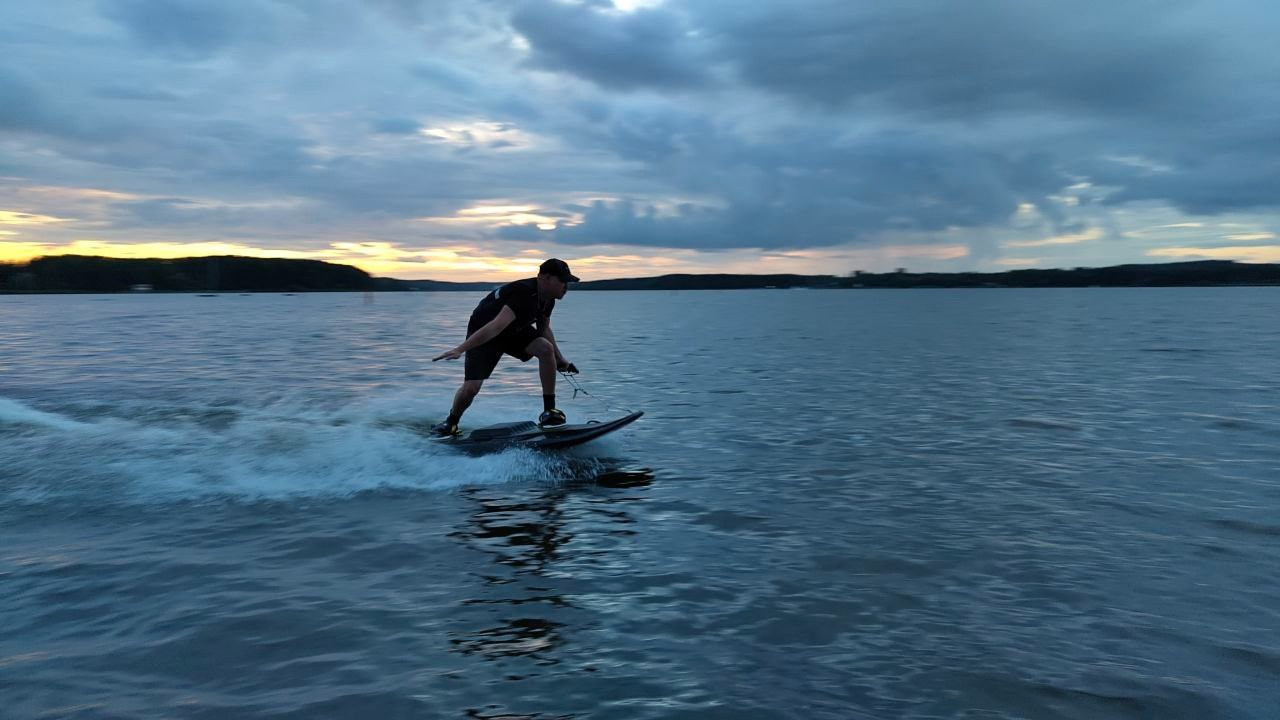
[(522, 297)]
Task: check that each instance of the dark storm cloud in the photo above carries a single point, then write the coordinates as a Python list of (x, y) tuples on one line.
[(30, 106), (648, 48), (716, 124), (1206, 186), (820, 191), (390, 188), (174, 212), (234, 155), (1184, 85), (1030, 97), (1228, 163), (946, 58), (811, 183)]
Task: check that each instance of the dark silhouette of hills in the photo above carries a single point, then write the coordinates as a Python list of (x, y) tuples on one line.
[(1206, 272), (391, 284), (79, 273), (83, 273), (712, 282), (1202, 272)]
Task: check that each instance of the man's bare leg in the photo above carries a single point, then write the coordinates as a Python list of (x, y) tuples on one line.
[(462, 399), (542, 349), (546, 354)]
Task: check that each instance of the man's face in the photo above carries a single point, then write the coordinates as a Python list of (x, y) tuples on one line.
[(559, 287)]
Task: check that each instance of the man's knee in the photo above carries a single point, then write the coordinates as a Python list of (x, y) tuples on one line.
[(540, 348), (471, 388)]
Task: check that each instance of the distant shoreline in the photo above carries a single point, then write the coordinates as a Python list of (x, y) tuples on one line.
[(77, 274)]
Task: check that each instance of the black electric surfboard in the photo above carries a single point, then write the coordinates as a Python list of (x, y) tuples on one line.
[(496, 438)]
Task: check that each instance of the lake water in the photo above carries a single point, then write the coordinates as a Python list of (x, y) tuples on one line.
[(839, 504)]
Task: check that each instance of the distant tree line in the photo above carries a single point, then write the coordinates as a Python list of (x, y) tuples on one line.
[(80, 273), (1203, 272), (394, 285), (711, 282), (1207, 272)]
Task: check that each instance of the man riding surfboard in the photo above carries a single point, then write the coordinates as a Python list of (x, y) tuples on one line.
[(514, 319)]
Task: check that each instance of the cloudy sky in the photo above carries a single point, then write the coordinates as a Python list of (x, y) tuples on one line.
[(468, 139)]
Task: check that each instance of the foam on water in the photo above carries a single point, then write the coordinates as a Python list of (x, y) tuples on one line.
[(13, 413), (284, 448)]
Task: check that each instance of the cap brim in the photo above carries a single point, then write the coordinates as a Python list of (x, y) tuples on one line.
[(569, 278)]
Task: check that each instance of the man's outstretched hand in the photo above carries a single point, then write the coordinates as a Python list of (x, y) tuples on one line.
[(568, 367), (453, 354)]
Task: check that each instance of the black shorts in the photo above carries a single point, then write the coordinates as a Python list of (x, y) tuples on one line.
[(481, 361)]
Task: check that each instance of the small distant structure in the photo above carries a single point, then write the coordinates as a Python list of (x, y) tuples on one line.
[(141, 287)]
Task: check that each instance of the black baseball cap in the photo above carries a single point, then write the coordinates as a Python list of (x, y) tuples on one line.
[(559, 268)]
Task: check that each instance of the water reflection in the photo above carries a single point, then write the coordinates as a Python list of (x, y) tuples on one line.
[(498, 715), (621, 478), (541, 541), (534, 637)]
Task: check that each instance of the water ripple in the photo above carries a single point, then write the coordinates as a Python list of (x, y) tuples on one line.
[(946, 504)]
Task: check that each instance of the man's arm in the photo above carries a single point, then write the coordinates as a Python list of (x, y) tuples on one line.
[(481, 336)]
